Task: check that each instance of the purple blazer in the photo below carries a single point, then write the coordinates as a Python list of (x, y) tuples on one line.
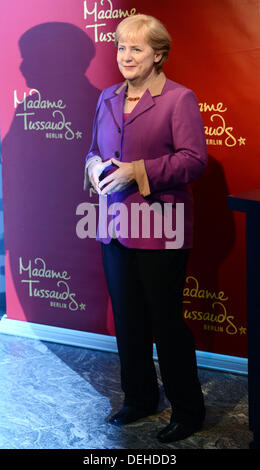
[(164, 138)]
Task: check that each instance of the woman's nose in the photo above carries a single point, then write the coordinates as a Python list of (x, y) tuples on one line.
[(128, 55)]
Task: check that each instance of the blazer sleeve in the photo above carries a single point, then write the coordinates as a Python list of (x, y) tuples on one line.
[(93, 153), (189, 158), (94, 150)]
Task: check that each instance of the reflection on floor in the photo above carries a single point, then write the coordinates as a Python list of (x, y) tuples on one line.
[(57, 397)]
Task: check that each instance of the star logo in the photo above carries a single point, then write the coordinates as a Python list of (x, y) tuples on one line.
[(242, 330), (82, 306), (242, 141), (78, 135)]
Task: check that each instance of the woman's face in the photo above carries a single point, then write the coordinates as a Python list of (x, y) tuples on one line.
[(136, 58)]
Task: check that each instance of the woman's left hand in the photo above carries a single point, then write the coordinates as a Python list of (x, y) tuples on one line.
[(119, 179)]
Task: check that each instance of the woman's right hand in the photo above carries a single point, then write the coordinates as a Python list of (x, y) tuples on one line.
[(95, 169)]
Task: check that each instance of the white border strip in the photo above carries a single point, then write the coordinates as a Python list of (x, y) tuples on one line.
[(108, 343)]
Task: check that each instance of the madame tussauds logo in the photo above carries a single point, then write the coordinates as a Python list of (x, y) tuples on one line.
[(56, 126), (219, 132), (156, 219), (98, 13), (59, 294)]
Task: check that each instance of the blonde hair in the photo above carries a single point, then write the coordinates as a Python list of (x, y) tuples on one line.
[(154, 33)]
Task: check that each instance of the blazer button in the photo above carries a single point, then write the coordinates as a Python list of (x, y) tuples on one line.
[(117, 154), (119, 130)]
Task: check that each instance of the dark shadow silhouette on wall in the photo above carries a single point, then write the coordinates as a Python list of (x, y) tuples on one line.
[(214, 237), (43, 168), (214, 233)]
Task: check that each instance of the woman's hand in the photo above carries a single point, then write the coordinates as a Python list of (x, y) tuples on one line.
[(94, 171), (120, 179)]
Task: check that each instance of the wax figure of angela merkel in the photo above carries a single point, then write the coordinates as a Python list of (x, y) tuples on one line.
[(148, 145)]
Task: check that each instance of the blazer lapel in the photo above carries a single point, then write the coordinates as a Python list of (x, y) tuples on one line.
[(116, 102), (116, 105), (145, 103)]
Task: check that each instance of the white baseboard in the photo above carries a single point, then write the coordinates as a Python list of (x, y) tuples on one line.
[(107, 343)]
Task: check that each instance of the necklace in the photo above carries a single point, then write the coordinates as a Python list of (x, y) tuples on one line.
[(129, 98)]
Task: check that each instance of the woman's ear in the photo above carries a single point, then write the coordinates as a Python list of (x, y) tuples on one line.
[(157, 58)]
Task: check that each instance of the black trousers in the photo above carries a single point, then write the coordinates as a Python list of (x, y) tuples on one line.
[(146, 288)]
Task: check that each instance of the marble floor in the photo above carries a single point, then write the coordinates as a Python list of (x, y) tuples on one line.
[(58, 397)]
